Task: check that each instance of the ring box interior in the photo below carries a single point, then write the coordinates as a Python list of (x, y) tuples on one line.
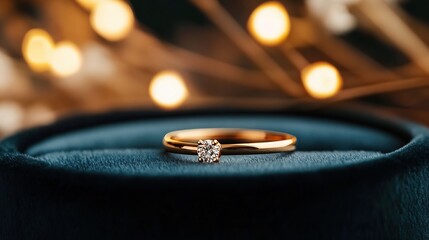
[(352, 176)]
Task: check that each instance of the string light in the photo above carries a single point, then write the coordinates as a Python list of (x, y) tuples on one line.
[(269, 23), (168, 89), (37, 49), (113, 19), (66, 59), (321, 79)]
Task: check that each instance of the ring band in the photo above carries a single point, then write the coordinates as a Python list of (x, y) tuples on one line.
[(210, 143)]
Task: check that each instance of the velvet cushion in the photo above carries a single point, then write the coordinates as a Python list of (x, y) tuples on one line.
[(353, 176)]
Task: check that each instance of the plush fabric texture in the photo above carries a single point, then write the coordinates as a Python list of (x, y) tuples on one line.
[(353, 176)]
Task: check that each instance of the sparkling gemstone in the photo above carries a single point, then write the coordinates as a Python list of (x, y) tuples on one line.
[(208, 151)]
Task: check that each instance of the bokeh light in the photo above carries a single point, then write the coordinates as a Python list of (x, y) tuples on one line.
[(90, 4), (112, 20), (66, 59), (99, 62), (321, 79), (37, 48), (269, 23), (167, 89), (334, 15), (39, 114), (7, 70), (12, 117)]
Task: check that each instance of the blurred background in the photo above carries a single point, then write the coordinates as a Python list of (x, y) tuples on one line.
[(64, 57)]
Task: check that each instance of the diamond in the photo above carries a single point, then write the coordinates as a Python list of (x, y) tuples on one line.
[(208, 151)]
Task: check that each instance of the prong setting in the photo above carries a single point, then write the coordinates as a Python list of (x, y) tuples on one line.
[(209, 151)]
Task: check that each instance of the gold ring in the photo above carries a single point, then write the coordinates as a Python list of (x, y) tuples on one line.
[(210, 143)]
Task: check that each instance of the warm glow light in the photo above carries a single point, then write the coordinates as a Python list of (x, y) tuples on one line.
[(90, 4), (321, 80), (7, 70), (334, 15), (39, 114), (99, 64), (12, 117), (168, 89), (113, 20), (269, 23), (66, 59), (37, 48)]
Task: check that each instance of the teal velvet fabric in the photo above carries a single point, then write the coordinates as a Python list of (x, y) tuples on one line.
[(353, 176), (139, 146)]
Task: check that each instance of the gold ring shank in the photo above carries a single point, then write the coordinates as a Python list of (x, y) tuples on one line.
[(234, 141)]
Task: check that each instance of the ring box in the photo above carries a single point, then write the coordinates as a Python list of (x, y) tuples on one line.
[(353, 176)]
